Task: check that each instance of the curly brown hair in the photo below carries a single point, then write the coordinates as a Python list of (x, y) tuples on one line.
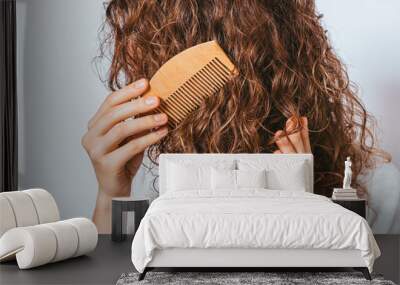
[(287, 67)]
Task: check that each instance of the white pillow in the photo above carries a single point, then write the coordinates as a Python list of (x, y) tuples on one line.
[(186, 174), (293, 179), (251, 178), (182, 177), (281, 175), (223, 179), (236, 179)]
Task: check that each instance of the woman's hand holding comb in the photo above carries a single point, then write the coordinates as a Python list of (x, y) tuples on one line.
[(115, 142)]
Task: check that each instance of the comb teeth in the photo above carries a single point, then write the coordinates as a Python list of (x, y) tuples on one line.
[(188, 97)]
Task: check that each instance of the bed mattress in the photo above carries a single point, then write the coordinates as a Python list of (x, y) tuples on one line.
[(250, 219)]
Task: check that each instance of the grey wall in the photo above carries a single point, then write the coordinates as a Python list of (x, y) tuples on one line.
[(59, 90), (366, 36)]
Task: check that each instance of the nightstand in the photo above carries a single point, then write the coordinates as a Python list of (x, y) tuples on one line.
[(357, 206), (122, 205)]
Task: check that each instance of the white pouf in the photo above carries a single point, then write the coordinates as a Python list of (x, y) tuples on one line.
[(87, 233), (7, 220), (40, 244), (45, 205), (67, 237), (26, 208), (23, 209)]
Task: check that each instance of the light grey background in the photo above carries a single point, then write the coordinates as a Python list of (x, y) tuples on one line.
[(59, 89)]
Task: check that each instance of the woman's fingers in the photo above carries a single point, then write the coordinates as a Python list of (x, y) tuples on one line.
[(305, 134), (126, 129), (122, 155), (295, 138), (123, 112), (298, 142), (283, 143), (126, 94)]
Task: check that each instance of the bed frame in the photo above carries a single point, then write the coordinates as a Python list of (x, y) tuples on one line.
[(249, 259), (246, 259)]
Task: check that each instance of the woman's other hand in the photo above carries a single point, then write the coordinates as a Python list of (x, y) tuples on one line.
[(297, 142), (115, 143)]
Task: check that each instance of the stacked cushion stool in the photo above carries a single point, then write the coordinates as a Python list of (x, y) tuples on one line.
[(31, 232)]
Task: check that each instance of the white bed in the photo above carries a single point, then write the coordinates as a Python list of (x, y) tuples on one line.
[(197, 222)]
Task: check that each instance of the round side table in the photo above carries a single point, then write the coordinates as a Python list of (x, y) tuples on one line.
[(120, 205)]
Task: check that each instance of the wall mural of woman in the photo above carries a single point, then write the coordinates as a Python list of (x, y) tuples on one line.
[(292, 93)]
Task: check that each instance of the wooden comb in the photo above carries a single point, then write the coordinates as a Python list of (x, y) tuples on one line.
[(188, 78)]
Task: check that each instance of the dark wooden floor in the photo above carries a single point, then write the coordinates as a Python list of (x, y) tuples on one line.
[(110, 260)]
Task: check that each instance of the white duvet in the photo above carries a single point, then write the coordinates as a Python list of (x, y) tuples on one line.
[(252, 218)]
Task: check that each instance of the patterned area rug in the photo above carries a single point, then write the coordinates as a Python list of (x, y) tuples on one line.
[(243, 278)]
